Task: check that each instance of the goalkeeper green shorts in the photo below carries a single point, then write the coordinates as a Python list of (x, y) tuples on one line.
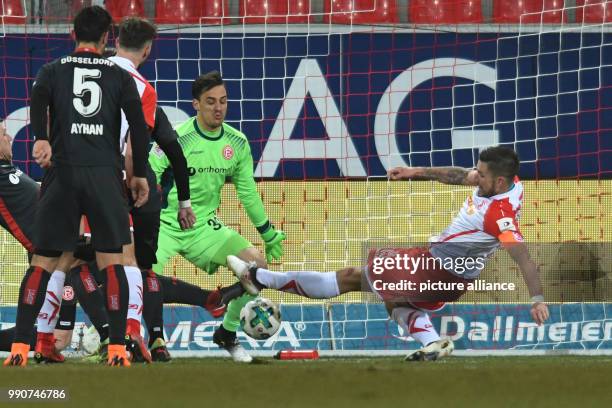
[(206, 246)]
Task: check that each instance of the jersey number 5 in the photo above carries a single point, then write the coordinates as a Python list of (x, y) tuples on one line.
[(81, 85)]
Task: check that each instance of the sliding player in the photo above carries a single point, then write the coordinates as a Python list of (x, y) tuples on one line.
[(487, 219), (214, 152)]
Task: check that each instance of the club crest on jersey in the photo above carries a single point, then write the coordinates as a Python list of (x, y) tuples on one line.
[(228, 152), (68, 293)]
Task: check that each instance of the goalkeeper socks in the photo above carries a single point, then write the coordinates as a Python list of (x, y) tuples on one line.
[(31, 297), (415, 324), (117, 295), (134, 314), (314, 285), (90, 297), (153, 305), (49, 313)]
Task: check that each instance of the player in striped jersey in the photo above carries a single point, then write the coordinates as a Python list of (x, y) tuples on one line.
[(487, 220)]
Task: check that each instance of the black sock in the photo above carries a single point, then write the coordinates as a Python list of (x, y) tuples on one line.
[(8, 335), (90, 297), (178, 291), (232, 292), (153, 305), (31, 298), (116, 292)]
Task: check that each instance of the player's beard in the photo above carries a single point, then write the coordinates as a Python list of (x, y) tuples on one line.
[(486, 193)]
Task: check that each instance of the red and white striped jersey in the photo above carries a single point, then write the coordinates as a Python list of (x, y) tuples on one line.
[(479, 228), (148, 95)]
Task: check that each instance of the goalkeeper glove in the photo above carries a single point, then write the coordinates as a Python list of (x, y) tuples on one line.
[(273, 240)]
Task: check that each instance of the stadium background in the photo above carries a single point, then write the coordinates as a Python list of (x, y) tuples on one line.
[(550, 98)]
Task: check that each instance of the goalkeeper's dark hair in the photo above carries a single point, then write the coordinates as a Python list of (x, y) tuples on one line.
[(91, 23), (501, 161), (206, 82), (135, 33)]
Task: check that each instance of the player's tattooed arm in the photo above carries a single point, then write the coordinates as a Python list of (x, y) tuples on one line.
[(446, 175)]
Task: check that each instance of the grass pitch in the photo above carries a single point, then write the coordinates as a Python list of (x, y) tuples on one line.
[(559, 381)]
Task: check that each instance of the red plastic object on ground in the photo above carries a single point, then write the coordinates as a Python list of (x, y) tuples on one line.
[(297, 355)]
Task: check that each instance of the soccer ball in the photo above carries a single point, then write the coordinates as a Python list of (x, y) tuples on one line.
[(260, 318), (91, 340)]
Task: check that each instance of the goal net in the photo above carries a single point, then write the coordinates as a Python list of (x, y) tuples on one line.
[(331, 95)]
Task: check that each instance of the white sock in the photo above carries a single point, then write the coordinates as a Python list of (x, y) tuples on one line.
[(49, 313), (314, 285), (134, 277), (415, 324)]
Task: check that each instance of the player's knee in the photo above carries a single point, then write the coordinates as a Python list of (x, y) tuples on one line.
[(45, 262), (66, 262), (106, 258), (349, 279), (129, 255)]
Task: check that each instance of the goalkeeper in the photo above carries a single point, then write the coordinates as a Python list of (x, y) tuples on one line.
[(215, 152)]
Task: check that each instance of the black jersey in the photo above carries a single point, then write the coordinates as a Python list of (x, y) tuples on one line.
[(163, 133), (85, 94), (18, 203)]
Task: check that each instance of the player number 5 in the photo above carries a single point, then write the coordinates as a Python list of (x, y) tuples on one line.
[(80, 86)]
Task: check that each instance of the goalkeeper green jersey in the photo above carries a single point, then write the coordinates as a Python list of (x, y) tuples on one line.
[(212, 157)]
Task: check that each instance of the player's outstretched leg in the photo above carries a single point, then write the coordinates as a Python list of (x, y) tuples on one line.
[(314, 285), (416, 323)]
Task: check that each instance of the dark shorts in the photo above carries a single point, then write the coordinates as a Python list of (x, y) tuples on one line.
[(146, 233), (146, 224), (96, 192), (153, 204), (18, 204)]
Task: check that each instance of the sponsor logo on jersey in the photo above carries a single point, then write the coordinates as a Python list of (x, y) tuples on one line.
[(14, 178), (68, 293), (228, 152), (209, 169)]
